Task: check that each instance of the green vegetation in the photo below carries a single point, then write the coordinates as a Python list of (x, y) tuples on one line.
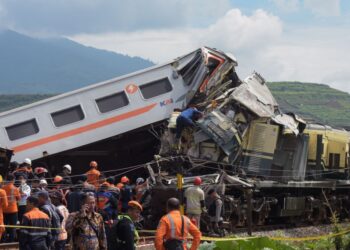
[(313, 101), (265, 243)]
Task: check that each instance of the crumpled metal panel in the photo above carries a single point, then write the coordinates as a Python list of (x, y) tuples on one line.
[(255, 96), (222, 130)]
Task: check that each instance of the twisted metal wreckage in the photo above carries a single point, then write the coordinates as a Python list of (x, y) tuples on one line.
[(268, 166)]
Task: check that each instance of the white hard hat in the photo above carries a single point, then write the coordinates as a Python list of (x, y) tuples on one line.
[(27, 161), (139, 181), (67, 166), (43, 182)]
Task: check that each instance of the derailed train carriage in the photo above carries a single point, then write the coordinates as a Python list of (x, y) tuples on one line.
[(270, 163), (269, 167)]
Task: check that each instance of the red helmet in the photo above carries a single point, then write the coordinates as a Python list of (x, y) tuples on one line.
[(124, 179), (197, 181), (40, 170)]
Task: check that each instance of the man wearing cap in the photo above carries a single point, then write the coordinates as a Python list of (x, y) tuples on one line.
[(126, 233), (194, 200), (93, 174)]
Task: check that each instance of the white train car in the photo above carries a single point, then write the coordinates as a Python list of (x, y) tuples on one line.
[(109, 108)]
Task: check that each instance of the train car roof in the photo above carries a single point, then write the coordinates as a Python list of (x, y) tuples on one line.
[(92, 86)]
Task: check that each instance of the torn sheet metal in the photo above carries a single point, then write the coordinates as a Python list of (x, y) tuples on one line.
[(222, 130), (255, 96)]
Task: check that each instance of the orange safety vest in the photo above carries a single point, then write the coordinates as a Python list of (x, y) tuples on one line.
[(13, 196), (3, 205)]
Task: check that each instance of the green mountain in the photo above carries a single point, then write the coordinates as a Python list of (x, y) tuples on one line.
[(313, 102), (316, 102), (39, 66)]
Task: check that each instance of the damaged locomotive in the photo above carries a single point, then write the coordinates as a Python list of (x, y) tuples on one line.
[(269, 166)]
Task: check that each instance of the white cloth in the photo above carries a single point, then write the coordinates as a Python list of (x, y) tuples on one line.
[(24, 190), (194, 195)]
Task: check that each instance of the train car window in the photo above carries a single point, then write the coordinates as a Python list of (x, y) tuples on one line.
[(22, 129), (112, 102), (156, 88), (67, 116)]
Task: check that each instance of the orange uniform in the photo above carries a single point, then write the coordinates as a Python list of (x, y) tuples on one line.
[(170, 227), (93, 177), (13, 196), (3, 205)]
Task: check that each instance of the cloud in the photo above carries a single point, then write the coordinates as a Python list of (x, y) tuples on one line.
[(287, 5), (259, 42), (233, 31), (323, 7), (67, 17)]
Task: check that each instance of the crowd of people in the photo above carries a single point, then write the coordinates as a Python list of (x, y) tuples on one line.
[(93, 213)]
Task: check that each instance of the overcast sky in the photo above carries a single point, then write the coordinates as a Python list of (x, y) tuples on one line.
[(303, 40)]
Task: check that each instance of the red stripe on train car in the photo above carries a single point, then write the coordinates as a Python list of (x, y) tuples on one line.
[(84, 129)]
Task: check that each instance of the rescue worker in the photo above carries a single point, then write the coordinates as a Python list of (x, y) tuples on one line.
[(57, 200), (106, 203), (40, 172), (215, 211), (61, 186), (194, 200), (3, 205), (173, 229), (126, 193), (125, 231), (35, 186), (93, 175), (140, 188), (186, 119), (11, 211), (34, 238), (66, 172), (86, 226), (86, 187), (43, 185), (24, 190)]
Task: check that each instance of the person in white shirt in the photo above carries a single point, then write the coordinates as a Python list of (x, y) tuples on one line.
[(194, 201), (24, 190)]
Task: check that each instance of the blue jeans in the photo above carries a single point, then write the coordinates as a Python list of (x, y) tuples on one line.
[(181, 124)]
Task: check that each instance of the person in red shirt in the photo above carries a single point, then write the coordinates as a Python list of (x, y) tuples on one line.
[(11, 211), (93, 174)]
